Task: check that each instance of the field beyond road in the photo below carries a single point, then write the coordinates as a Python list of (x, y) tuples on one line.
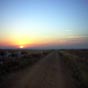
[(49, 72)]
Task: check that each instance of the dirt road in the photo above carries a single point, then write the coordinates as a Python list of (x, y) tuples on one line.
[(49, 72)]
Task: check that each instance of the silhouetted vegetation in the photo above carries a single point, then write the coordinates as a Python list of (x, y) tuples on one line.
[(76, 62), (13, 60)]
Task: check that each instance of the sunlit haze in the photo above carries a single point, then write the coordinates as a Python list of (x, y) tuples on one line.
[(44, 24), (21, 46)]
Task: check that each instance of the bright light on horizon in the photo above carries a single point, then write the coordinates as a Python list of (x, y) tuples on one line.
[(21, 46), (43, 23)]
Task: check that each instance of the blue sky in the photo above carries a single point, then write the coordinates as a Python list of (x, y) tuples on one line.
[(43, 20)]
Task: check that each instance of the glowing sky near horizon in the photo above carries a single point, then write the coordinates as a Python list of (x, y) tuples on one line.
[(44, 23)]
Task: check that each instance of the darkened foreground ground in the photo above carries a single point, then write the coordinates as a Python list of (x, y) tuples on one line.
[(14, 60), (43, 68)]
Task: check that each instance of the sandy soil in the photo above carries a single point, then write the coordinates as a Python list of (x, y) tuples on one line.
[(49, 72)]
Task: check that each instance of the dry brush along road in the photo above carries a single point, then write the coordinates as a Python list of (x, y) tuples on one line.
[(49, 72)]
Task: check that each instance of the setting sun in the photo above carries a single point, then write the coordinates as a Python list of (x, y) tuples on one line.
[(21, 47)]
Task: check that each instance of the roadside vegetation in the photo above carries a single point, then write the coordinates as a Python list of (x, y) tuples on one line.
[(76, 62), (14, 60)]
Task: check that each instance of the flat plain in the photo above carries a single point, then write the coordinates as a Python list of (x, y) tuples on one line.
[(44, 68)]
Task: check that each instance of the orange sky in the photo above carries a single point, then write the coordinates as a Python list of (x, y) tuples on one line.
[(40, 23), (28, 43)]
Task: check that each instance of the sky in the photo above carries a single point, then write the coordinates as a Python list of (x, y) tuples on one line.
[(44, 23)]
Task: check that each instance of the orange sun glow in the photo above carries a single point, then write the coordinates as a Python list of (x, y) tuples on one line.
[(21, 47)]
